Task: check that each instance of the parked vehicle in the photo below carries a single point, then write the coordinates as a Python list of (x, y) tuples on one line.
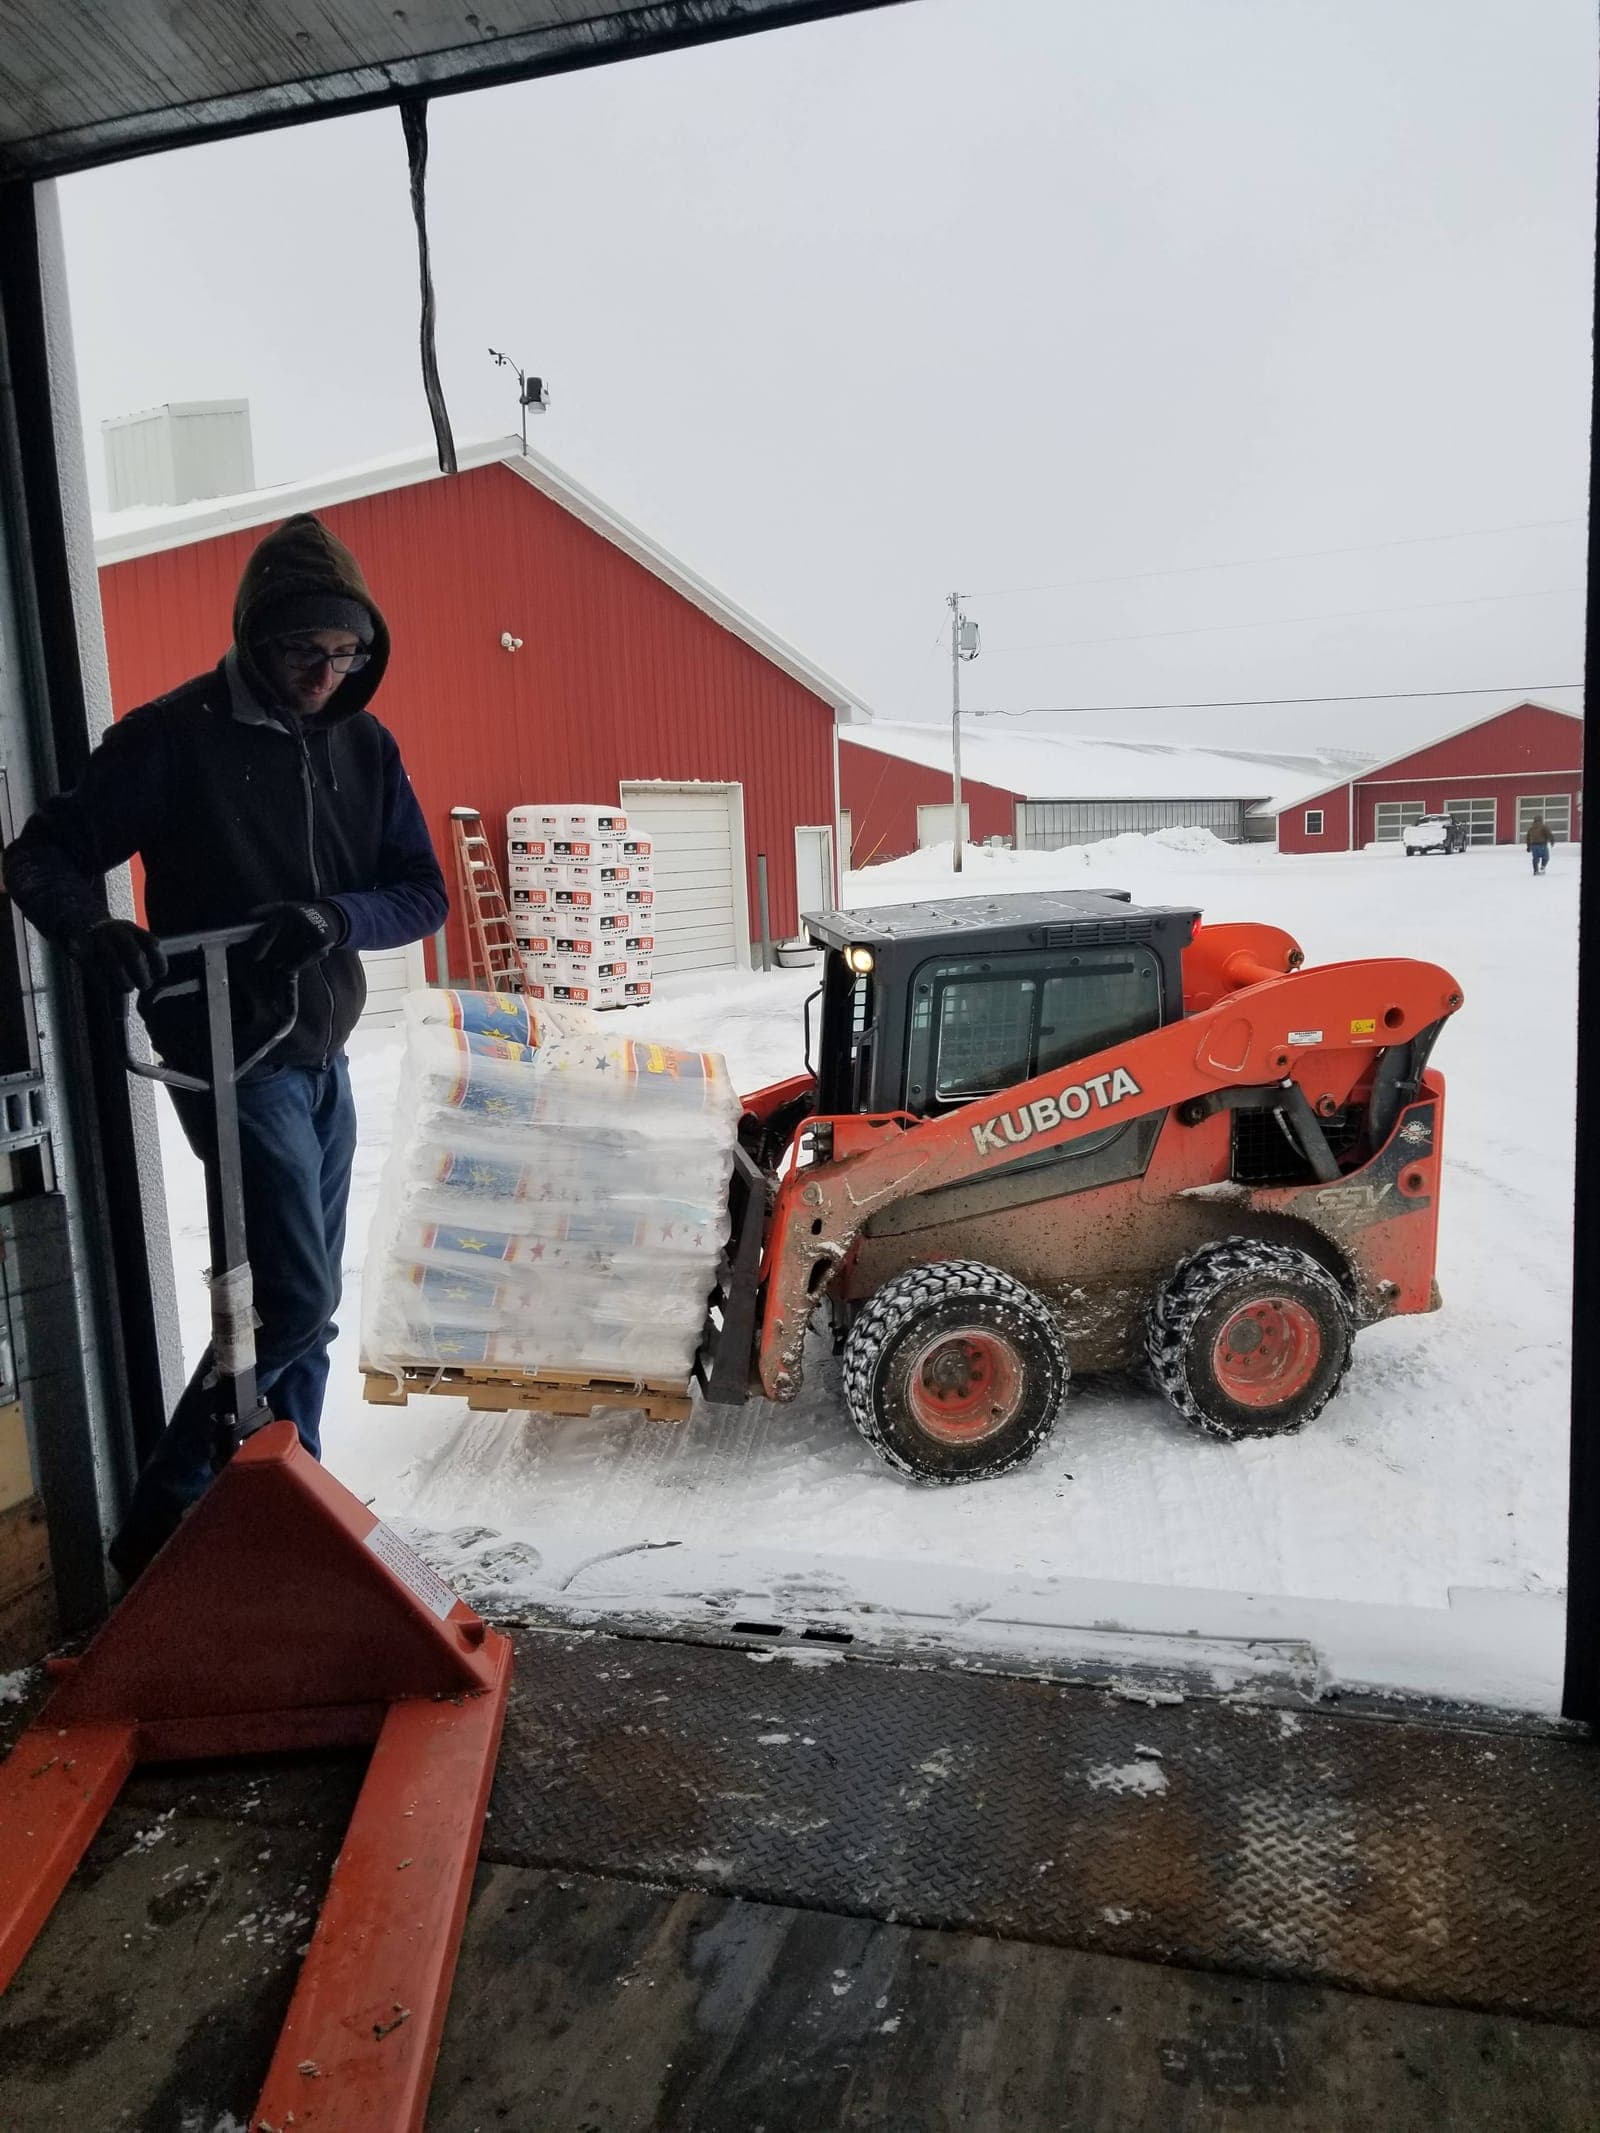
[(1435, 833)]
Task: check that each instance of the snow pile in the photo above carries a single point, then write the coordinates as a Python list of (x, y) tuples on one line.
[(554, 1198), (990, 869)]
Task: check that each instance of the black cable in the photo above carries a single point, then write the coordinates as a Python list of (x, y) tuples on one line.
[(414, 118)]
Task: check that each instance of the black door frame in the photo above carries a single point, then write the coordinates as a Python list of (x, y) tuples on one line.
[(35, 537)]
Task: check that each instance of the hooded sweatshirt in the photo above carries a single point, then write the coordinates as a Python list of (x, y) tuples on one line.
[(233, 801)]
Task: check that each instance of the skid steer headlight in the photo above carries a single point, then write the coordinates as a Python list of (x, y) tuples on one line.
[(859, 960)]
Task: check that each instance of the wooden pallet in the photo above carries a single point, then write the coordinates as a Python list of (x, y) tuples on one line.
[(551, 1392)]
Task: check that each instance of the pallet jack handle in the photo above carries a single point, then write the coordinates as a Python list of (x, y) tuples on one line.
[(240, 1410)]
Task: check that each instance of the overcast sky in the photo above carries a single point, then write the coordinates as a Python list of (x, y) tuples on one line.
[(994, 294)]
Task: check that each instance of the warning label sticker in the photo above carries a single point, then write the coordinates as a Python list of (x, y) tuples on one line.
[(423, 1582), (1364, 1026)]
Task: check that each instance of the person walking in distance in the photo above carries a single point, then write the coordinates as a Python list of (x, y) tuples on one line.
[(263, 790), (1538, 841)]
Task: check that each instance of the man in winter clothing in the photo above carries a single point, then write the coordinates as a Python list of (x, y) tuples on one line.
[(1538, 841), (262, 790)]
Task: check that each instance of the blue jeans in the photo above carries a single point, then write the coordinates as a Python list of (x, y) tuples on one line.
[(297, 1140), (1541, 857)]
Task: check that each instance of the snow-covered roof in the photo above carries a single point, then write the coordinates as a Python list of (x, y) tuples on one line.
[(1063, 767), (147, 529)]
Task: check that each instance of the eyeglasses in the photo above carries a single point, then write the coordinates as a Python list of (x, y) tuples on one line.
[(302, 655)]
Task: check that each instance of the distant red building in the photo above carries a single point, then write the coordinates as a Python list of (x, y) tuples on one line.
[(1496, 776), (889, 806)]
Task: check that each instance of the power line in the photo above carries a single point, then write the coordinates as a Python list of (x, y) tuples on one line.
[(1343, 614), (1265, 703), (1298, 555)]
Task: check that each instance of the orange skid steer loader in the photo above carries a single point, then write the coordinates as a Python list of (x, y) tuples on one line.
[(1059, 1132)]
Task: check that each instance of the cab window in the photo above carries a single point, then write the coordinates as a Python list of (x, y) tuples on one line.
[(978, 1027)]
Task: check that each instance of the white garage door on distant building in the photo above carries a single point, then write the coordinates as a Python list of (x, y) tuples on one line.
[(936, 824), (391, 973), (701, 911), (1478, 815), (1556, 808)]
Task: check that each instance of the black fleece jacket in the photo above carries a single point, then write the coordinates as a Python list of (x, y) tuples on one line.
[(232, 803)]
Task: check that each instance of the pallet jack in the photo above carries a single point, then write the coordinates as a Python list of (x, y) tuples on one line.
[(283, 1616)]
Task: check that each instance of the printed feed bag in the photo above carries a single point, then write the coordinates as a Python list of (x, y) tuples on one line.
[(555, 1195)]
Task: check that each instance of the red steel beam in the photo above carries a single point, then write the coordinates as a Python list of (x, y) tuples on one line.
[(56, 1787)]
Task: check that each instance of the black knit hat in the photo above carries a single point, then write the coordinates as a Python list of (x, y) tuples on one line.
[(313, 611)]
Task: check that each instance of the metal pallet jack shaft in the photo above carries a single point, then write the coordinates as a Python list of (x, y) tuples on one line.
[(284, 1616)]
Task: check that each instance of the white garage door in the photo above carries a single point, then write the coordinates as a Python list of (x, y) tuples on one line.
[(698, 838), (391, 974), (935, 824), (1556, 808), (1478, 815)]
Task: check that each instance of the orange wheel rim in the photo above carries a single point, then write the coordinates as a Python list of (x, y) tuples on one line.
[(1268, 1351), (964, 1385)]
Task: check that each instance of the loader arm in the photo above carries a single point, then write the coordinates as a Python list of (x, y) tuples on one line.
[(1255, 1035)]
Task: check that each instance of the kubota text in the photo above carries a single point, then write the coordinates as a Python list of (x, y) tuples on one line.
[(1098, 1093)]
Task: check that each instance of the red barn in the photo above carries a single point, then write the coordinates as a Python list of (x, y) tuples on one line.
[(1496, 775), (544, 649), (890, 805)]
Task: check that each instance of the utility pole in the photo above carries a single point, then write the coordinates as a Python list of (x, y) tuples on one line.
[(963, 645)]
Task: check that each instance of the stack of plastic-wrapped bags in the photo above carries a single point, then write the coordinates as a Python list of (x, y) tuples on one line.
[(555, 1196)]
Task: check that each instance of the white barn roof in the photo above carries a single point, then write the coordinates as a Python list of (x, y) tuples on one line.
[(1063, 767)]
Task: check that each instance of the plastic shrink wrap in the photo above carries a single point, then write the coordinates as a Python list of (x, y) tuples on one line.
[(555, 1195)]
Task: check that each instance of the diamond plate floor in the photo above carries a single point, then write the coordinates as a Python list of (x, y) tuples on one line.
[(1442, 1863), (1431, 1862)]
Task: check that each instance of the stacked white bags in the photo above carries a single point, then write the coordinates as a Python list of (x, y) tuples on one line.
[(554, 1198), (582, 904)]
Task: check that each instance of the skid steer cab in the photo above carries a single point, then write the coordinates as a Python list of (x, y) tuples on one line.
[(1063, 1133)]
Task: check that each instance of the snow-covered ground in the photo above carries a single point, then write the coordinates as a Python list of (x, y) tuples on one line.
[(1412, 1537)]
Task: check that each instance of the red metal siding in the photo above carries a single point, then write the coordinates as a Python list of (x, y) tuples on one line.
[(619, 677), (1528, 739), (884, 791), (1293, 835), (1528, 750)]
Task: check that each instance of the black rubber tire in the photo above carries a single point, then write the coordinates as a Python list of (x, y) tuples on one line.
[(1197, 1302), (917, 1306)]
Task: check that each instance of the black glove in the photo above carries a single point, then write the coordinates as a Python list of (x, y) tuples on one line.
[(119, 955), (293, 935)]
